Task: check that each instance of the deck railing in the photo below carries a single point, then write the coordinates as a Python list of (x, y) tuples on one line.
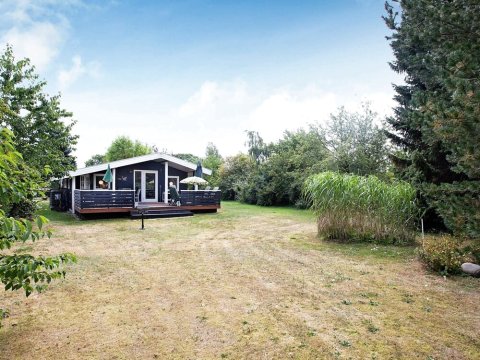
[(200, 197), (92, 199)]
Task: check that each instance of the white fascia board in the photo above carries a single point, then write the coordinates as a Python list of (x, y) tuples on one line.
[(184, 163), (139, 159)]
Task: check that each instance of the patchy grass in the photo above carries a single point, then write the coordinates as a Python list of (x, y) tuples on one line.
[(248, 282), (63, 218)]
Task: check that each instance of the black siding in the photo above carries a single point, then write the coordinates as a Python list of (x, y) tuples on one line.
[(124, 175)]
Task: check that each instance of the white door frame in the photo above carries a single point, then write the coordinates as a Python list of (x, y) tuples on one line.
[(143, 184)]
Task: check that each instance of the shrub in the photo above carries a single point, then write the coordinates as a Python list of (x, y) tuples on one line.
[(445, 253), (23, 209), (356, 208), (301, 203), (234, 174), (246, 191)]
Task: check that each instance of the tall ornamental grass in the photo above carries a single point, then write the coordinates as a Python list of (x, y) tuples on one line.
[(357, 208)]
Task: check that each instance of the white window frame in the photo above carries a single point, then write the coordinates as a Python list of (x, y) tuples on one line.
[(85, 182), (95, 181), (177, 178)]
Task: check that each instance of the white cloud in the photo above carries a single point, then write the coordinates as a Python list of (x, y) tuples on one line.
[(382, 103), (203, 100), (78, 69), (220, 112), (212, 98), (20, 12), (289, 110), (228, 109), (35, 29), (39, 42), (217, 112)]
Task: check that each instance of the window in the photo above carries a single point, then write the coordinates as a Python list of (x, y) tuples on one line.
[(175, 180), (98, 183), (85, 182)]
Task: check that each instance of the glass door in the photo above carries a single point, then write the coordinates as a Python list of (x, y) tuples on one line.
[(146, 185), (150, 186), (137, 185)]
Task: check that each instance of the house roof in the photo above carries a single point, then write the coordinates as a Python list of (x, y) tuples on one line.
[(172, 160)]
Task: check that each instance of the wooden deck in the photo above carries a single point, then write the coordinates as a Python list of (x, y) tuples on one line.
[(158, 207), (150, 206), (103, 210), (103, 201), (163, 206), (89, 202)]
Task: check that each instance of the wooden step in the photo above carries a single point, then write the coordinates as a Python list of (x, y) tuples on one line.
[(151, 214)]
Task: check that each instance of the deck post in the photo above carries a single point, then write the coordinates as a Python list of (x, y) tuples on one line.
[(73, 194), (114, 185), (165, 197)]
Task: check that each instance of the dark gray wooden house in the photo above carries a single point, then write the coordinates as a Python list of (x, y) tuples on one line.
[(138, 183)]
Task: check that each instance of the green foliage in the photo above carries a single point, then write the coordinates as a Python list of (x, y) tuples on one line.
[(356, 208), (20, 183), (188, 157), (123, 148), (279, 179), (349, 143), (212, 152), (23, 209), (437, 120), (247, 191), (459, 205), (445, 253), (257, 149), (234, 174), (357, 145), (17, 183), (95, 160), (41, 127), (213, 160)]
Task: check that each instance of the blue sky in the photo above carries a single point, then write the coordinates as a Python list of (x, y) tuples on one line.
[(180, 74)]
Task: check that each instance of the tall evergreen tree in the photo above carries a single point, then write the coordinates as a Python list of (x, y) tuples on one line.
[(436, 44)]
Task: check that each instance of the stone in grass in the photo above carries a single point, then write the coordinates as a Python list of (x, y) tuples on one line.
[(471, 269)]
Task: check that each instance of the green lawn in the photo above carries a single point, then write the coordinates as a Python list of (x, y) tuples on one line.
[(247, 282)]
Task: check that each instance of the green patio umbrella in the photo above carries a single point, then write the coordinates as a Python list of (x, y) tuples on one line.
[(108, 178), (199, 170)]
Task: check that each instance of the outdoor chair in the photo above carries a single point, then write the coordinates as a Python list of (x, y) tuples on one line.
[(174, 197), (215, 188), (207, 188)]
